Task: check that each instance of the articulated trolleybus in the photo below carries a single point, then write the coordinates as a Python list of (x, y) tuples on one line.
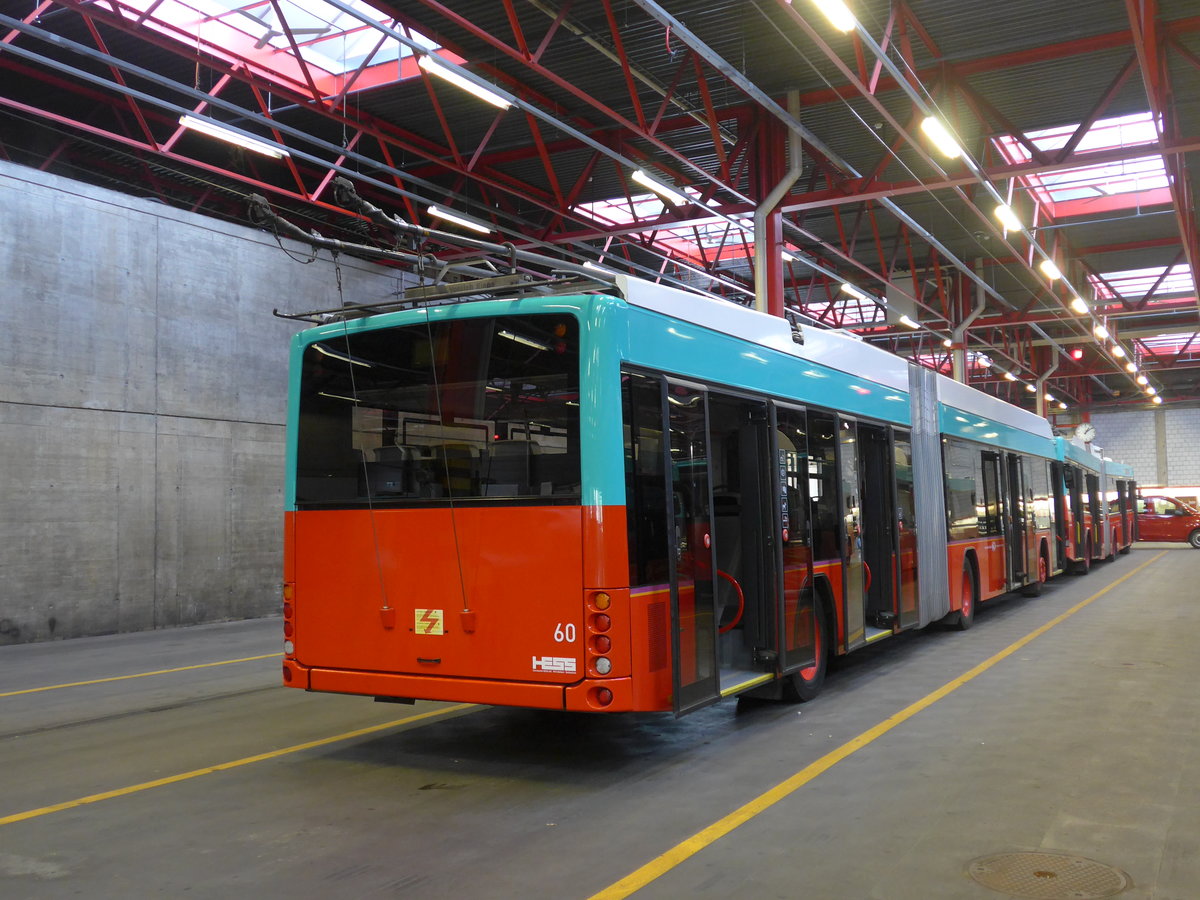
[(645, 500)]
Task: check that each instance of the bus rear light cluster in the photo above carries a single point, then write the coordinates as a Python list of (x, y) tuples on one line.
[(599, 643), (600, 697), (289, 624)]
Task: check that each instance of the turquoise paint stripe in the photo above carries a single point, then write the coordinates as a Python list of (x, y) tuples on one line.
[(689, 350), (972, 426)]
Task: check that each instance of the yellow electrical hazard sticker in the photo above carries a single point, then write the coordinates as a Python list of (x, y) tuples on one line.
[(429, 621)]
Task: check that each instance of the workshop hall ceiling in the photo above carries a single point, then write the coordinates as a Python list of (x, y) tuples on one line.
[(552, 125)]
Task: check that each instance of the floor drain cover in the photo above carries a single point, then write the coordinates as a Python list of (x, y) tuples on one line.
[(1048, 876)]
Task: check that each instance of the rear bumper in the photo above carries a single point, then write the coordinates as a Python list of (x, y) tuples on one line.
[(582, 697)]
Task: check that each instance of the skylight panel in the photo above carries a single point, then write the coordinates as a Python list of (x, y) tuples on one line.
[(1171, 344), (328, 38), (1136, 283), (1133, 177)]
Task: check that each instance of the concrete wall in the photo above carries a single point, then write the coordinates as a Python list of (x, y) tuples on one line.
[(1162, 445), (142, 395)]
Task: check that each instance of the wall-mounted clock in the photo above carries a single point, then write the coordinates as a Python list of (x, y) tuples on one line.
[(1086, 432)]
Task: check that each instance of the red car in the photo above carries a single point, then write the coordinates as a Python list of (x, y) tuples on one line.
[(1168, 519)]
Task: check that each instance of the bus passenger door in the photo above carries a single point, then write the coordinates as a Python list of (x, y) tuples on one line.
[(852, 520), (1016, 537), (906, 529), (877, 528), (797, 644), (693, 612)]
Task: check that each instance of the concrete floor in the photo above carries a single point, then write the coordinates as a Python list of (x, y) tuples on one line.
[(1083, 741)]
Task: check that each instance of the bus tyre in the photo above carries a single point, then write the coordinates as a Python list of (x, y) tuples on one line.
[(1034, 588), (1125, 549), (805, 684), (1194, 538), (1084, 565), (966, 615)]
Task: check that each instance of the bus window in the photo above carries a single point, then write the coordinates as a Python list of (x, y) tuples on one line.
[(473, 409), (961, 497)]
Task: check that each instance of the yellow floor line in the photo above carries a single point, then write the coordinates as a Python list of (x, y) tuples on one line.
[(662, 864), (221, 767), (223, 662)]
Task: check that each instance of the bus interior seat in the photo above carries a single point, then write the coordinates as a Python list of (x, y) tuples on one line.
[(457, 468), (511, 467)]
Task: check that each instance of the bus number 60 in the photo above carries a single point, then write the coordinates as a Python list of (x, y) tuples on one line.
[(564, 634)]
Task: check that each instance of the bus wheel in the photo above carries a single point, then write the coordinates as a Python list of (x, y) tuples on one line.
[(805, 684), (966, 615), (1194, 538), (1034, 588), (1083, 566)]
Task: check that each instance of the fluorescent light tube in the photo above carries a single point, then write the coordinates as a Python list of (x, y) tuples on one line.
[(905, 320), (673, 197), (1007, 217), (838, 14), (857, 294), (438, 213), (213, 129), (941, 137), (446, 73)]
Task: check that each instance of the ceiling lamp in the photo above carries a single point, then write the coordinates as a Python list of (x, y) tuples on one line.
[(1142, 380), (1077, 353), (1151, 390), (838, 14), (1062, 405), (1079, 306), (213, 129), (1009, 376), (908, 322), (1101, 332), (447, 74), (1032, 388), (1008, 218), (438, 213), (856, 293), (1118, 351), (787, 257), (947, 343), (1050, 270), (1131, 366), (673, 197), (1157, 400), (1049, 398), (941, 137)]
